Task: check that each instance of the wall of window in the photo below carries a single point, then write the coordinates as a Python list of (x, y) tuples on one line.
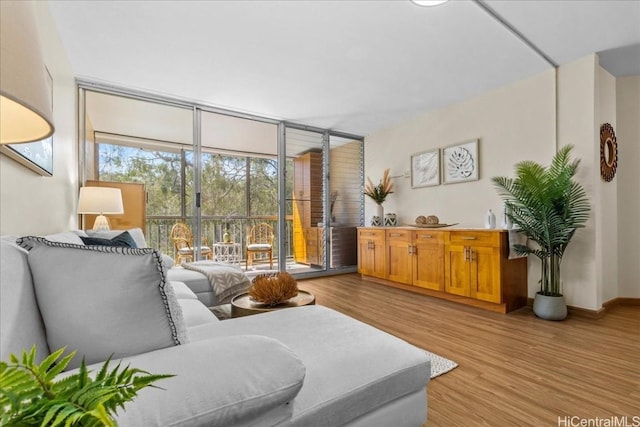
[(180, 151)]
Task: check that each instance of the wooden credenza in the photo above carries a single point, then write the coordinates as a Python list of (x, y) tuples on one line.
[(467, 266)]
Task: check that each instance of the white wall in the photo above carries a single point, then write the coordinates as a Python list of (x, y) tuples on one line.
[(606, 204), (513, 123), (30, 203), (628, 181), (576, 124)]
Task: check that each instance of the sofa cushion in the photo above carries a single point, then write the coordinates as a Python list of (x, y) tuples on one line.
[(182, 291), (197, 282), (122, 239), (136, 234), (65, 237), (352, 368), (20, 321), (232, 381), (102, 300), (195, 313)]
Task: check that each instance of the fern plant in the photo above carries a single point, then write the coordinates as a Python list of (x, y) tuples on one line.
[(31, 395), (548, 206)]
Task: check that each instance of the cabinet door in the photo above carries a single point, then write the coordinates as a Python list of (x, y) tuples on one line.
[(457, 273), (399, 256), (428, 259), (485, 273), (371, 253)]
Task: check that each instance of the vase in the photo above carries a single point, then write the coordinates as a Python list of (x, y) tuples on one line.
[(380, 211), (226, 237), (390, 220), (490, 220), (550, 307)]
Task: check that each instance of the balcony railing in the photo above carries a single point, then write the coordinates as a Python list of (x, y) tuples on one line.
[(158, 233)]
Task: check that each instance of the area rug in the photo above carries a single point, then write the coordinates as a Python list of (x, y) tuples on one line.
[(439, 364)]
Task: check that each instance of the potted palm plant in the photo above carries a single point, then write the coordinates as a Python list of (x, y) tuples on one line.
[(548, 206)]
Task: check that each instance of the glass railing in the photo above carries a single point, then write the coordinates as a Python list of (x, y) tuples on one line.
[(158, 232)]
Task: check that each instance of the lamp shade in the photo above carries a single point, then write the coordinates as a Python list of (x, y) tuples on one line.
[(26, 114), (100, 200)]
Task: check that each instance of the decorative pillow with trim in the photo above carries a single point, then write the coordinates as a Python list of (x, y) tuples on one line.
[(122, 239), (103, 300)]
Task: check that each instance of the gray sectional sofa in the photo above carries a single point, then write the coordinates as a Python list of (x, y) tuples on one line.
[(307, 366)]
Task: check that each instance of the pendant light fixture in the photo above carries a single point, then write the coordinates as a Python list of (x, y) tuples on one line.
[(429, 2)]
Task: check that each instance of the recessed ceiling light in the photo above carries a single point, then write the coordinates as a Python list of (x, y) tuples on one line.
[(429, 2)]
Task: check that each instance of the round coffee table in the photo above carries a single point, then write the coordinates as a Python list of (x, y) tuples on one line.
[(242, 305)]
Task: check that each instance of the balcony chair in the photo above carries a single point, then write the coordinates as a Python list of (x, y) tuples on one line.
[(182, 238), (259, 239)]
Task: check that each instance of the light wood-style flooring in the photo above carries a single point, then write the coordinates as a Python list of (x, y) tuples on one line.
[(514, 369)]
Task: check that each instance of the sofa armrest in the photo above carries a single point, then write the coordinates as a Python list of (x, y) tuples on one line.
[(220, 381)]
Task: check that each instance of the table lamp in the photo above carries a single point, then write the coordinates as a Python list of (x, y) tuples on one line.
[(100, 200)]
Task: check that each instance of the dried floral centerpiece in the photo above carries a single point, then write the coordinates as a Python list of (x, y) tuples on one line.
[(379, 192), (273, 289)]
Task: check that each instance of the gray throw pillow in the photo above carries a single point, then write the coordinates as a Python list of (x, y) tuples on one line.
[(103, 300)]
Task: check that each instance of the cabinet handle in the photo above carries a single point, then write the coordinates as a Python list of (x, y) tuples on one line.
[(470, 255), (395, 234), (410, 249), (427, 236), (465, 254), (468, 238)]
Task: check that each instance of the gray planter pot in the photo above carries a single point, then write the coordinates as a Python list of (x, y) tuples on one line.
[(550, 308)]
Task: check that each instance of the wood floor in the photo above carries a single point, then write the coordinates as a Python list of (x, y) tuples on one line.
[(514, 369)]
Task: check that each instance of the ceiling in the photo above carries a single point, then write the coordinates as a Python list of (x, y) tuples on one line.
[(354, 66)]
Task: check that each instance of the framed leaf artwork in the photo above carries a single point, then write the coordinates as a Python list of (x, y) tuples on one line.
[(460, 162)]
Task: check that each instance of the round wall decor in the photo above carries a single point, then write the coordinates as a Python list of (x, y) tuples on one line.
[(608, 152)]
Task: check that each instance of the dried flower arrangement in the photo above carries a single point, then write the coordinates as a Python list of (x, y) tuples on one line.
[(379, 192), (273, 289)]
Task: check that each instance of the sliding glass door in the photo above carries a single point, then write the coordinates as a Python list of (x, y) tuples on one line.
[(259, 193), (239, 188)]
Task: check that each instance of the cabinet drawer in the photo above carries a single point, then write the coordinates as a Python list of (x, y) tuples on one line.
[(398, 235), (424, 236), (484, 238), (371, 234)]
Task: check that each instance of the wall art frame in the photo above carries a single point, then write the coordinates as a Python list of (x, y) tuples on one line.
[(460, 162), (425, 168), (37, 155)]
